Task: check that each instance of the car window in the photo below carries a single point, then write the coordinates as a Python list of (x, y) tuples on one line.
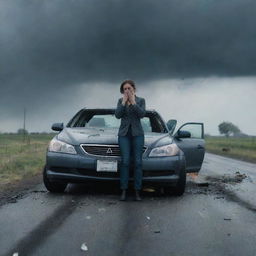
[(103, 121), (146, 125), (110, 121), (194, 129), (150, 123)]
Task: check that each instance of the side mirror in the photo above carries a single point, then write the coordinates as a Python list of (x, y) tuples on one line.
[(183, 134), (57, 126), (171, 125)]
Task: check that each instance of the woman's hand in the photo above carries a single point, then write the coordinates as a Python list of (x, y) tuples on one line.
[(125, 98), (131, 97)]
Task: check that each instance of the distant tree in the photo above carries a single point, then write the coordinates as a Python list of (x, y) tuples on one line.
[(22, 131), (228, 128)]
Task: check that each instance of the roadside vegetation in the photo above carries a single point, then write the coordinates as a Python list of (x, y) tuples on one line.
[(243, 148), (21, 156)]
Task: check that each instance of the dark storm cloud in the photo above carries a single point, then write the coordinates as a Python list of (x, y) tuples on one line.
[(84, 40), (55, 44)]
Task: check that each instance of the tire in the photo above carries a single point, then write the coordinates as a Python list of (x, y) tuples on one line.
[(54, 187), (179, 188)]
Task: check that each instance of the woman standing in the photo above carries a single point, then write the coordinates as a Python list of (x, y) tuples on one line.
[(130, 109)]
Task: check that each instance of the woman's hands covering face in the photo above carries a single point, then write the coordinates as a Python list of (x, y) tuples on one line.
[(125, 98), (131, 97)]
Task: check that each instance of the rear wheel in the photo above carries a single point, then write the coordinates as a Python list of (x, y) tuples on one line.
[(54, 187)]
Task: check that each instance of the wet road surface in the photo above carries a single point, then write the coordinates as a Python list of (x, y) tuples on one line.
[(206, 220)]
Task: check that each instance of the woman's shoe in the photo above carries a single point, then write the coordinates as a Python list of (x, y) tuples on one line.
[(123, 195), (137, 195)]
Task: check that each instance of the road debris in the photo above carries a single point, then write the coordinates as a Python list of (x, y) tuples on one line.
[(193, 175), (237, 177), (83, 203), (39, 191), (12, 200), (15, 198), (240, 176), (88, 217), (201, 214), (227, 219), (16, 254), (157, 231), (101, 210), (149, 190), (249, 179), (219, 197), (84, 247), (148, 217), (112, 202), (203, 184)]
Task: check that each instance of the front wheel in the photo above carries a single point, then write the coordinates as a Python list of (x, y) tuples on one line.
[(54, 187), (179, 188)]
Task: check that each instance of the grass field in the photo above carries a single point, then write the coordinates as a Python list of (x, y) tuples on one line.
[(21, 158), (239, 148)]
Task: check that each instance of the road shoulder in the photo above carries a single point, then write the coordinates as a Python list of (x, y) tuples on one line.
[(11, 192)]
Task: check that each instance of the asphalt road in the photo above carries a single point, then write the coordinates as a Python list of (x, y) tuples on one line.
[(213, 217)]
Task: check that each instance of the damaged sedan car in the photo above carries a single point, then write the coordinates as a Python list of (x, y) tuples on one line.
[(87, 150)]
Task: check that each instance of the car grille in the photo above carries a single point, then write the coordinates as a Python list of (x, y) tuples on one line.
[(103, 150)]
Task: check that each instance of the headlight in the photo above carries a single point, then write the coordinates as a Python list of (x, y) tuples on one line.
[(60, 146), (167, 150)]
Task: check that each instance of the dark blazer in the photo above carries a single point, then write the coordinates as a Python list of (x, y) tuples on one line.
[(131, 114)]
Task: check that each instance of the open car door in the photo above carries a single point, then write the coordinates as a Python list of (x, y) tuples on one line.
[(190, 139)]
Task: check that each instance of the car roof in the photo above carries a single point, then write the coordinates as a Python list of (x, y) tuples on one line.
[(111, 109)]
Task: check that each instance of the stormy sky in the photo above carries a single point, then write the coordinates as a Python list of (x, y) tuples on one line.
[(194, 60)]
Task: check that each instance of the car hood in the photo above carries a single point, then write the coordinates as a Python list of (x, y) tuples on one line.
[(77, 136)]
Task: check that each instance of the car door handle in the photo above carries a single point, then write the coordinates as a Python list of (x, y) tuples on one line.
[(200, 147)]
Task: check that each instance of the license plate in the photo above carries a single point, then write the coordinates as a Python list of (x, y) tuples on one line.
[(106, 165)]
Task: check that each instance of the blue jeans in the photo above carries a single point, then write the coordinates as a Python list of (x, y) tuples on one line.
[(131, 146)]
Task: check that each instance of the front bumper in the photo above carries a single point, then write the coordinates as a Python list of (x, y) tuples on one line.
[(78, 178), (82, 168)]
